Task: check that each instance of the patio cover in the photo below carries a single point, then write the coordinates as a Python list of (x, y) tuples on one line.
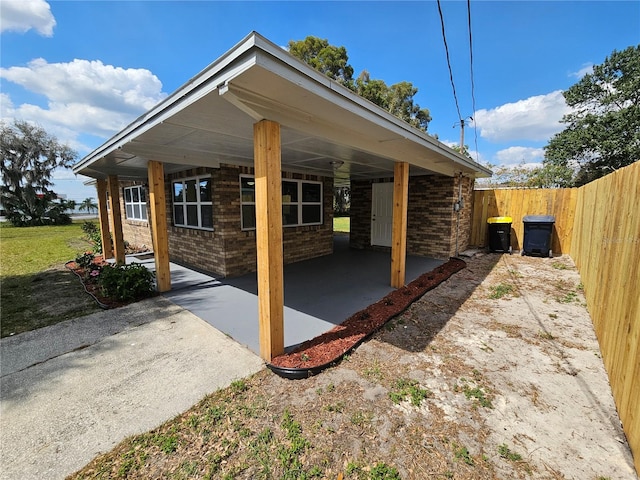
[(259, 106), (325, 128)]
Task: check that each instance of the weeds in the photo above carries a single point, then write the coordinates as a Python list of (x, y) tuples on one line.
[(501, 290), (559, 266), (408, 388), (505, 452), (461, 452)]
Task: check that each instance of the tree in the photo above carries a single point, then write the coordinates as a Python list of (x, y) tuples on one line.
[(603, 132), (88, 205), (328, 59), (29, 157), (397, 99)]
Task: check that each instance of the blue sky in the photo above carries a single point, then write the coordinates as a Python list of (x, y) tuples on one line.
[(84, 70)]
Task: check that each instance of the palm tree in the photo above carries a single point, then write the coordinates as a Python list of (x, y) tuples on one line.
[(88, 205)]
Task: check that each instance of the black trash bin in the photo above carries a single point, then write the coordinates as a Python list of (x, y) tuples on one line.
[(537, 235), (500, 234)]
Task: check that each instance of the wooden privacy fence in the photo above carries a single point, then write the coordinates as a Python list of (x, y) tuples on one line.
[(606, 250), (598, 225), (516, 203)]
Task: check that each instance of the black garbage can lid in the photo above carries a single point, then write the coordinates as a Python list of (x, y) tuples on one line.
[(539, 219)]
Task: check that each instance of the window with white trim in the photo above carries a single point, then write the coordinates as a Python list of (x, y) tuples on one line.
[(135, 203), (301, 202), (192, 203)]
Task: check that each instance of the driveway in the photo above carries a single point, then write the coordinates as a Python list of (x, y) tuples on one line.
[(73, 390)]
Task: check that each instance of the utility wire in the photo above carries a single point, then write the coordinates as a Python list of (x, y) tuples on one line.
[(473, 95), (446, 49)]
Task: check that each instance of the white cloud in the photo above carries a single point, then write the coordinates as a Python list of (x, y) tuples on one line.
[(535, 118), (586, 68), (516, 155), (23, 15), (83, 97)]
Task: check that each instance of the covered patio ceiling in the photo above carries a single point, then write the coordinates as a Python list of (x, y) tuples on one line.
[(325, 128)]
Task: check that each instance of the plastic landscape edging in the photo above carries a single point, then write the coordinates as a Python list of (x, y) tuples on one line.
[(297, 373)]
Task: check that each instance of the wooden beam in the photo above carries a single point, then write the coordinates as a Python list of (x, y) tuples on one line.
[(268, 177), (158, 203), (103, 217), (115, 219), (399, 232)]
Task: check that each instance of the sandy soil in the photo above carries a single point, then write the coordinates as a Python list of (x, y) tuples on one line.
[(494, 374), (531, 354)]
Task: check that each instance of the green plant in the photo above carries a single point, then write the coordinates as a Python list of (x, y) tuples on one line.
[(478, 394), (408, 388), (559, 266), (500, 290), (382, 471), (239, 386), (168, 444), (462, 453), (85, 260), (505, 452), (569, 297), (126, 282), (92, 233)]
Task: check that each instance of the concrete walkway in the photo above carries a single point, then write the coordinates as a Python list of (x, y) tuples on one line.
[(73, 390)]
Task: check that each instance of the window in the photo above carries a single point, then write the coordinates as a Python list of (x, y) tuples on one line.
[(135, 203), (192, 205), (301, 202)]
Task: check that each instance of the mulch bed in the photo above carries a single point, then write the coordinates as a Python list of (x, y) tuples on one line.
[(328, 348), (91, 287)]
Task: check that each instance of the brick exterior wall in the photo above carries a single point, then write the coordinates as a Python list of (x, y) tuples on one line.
[(431, 221), (230, 251), (135, 232)]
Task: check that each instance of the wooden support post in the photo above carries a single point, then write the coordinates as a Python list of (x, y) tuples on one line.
[(158, 203), (399, 232), (115, 219), (103, 217), (268, 177)]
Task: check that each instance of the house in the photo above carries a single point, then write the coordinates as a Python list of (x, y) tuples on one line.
[(234, 172)]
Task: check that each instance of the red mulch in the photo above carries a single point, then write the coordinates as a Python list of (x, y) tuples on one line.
[(92, 287), (333, 344)]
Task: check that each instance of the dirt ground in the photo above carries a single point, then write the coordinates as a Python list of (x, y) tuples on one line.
[(532, 352), (495, 374)]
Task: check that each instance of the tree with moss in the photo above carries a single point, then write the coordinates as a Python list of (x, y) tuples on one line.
[(603, 128), (397, 99), (29, 155)]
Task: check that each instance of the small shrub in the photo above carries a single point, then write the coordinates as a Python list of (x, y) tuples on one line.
[(85, 260), (126, 282), (92, 233)]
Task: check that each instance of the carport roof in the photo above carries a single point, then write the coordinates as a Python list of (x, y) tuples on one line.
[(325, 128)]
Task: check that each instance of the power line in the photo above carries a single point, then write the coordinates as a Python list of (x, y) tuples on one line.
[(446, 49), (473, 95)]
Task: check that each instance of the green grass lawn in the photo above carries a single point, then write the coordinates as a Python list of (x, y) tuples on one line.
[(341, 224), (35, 288)]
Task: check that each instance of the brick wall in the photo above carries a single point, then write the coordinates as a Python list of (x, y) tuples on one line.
[(230, 251), (431, 221), (137, 233)]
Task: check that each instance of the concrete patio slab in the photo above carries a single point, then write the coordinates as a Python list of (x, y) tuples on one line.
[(318, 293)]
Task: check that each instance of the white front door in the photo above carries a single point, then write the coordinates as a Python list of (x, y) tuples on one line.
[(381, 214)]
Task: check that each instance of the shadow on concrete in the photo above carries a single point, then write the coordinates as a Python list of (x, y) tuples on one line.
[(318, 293)]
